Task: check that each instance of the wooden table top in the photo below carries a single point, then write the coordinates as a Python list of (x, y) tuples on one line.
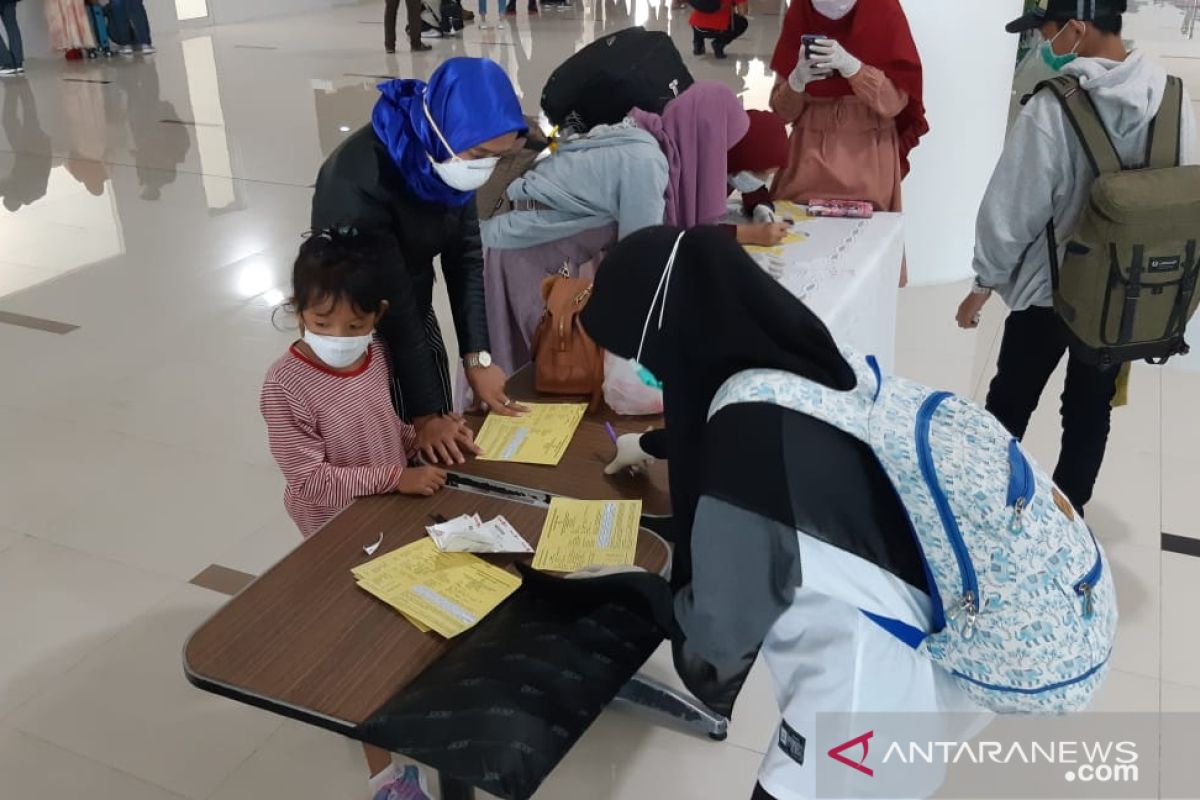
[(580, 474), (303, 638)]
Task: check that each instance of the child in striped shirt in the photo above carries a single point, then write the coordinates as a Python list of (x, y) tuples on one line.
[(327, 401)]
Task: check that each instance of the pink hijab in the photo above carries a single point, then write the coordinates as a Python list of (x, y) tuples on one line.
[(696, 131)]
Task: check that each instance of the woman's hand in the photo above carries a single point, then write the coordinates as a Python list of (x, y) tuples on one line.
[(806, 72), (830, 55), (630, 455), (421, 481), (487, 384), (443, 438), (764, 234), (970, 308)]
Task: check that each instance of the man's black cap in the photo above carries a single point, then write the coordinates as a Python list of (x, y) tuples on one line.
[(1063, 10)]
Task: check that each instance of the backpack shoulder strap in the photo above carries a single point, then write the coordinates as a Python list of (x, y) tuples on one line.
[(1164, 140), (1081, 112)]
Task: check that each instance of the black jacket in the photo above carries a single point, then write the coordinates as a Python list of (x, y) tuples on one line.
[(359, 184)]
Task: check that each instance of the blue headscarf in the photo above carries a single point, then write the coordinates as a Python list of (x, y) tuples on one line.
[(471, 100)]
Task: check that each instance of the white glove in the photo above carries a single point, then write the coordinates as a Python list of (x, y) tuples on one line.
[(588, 573), (806, 72), (629, 454), (829, 54), (763, 215)]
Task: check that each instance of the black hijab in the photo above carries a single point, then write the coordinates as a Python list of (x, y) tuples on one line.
[(723, 314)]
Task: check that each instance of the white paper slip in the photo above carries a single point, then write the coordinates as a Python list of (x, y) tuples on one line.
[(494, 536)]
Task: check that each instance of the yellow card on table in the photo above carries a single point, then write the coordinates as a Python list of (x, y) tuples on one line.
[(540, 436), (379, 594), (785, 209), (446, 592), (777, 250), (586, 533)]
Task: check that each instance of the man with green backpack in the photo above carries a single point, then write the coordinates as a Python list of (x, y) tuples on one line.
[(1089, 229)]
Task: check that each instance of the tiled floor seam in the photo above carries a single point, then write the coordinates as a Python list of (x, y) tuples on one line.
[(103, 764)]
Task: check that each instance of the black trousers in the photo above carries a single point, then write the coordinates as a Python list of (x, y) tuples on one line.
[(1034, 343), (760, 793), (721, 38), (413, 10)]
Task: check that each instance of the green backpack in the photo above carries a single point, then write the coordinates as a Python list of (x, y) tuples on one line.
[(1126, 287)]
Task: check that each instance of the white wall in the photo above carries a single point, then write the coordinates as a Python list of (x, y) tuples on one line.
[(969, 61)]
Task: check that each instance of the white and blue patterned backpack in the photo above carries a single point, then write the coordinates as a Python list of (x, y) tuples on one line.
[(1024, 610)]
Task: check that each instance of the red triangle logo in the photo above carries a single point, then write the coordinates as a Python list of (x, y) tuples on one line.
[(860, 765)]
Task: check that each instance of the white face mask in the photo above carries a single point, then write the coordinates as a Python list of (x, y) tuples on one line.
[(338, 352), (457, 173), (834, 9), (466, 176), (664, 284), (746, 182)]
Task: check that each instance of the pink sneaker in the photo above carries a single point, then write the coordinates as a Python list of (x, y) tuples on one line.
[(406, 786)]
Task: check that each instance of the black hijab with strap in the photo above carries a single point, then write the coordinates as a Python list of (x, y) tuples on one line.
[(723, 314)]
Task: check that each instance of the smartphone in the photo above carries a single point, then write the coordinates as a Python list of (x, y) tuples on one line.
[(808, 40), (848, 209)]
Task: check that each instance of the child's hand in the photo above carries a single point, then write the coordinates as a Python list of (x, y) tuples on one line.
[(421, 481)]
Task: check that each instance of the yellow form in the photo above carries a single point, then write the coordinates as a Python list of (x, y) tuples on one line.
[(446, 592), (586, 533), (540, 436)]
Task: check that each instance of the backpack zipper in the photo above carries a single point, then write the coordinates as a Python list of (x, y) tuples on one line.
[(1021, 485), (1085, 586), (969, 602)]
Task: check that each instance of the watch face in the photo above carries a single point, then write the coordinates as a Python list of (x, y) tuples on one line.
[(485, 359)]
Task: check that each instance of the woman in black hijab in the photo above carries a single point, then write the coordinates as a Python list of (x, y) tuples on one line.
[(756, 488)]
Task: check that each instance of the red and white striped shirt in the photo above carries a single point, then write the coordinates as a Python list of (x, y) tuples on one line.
[(334, 434)]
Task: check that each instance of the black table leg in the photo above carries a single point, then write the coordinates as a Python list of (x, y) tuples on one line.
[(453, 789)]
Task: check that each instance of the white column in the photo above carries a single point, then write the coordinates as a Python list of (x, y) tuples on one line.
[(969, 62)]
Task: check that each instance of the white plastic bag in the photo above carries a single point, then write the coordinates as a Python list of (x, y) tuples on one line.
[(624, 391)]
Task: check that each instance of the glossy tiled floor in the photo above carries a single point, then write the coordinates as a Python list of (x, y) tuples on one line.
[(155, 203)]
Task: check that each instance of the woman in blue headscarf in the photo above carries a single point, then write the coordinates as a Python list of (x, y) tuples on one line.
[(412, 173)]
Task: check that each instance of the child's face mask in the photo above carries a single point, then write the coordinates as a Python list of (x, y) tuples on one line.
[(338, 333), (338, 352)]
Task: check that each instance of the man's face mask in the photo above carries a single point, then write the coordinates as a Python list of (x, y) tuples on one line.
[(1055, 61)]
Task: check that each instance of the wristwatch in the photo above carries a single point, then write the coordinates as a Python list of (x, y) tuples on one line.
[(481, 359), (979, 288)]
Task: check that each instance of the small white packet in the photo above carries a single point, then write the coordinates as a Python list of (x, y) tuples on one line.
[(442, 531), (495, 536)]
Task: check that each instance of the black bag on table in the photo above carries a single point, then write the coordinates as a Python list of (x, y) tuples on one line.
[(601, 83), (509, 700)]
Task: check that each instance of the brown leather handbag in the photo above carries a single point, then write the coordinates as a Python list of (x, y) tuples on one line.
[(566, 360)]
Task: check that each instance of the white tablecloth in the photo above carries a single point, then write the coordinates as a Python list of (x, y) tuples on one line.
[(848, 272)]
